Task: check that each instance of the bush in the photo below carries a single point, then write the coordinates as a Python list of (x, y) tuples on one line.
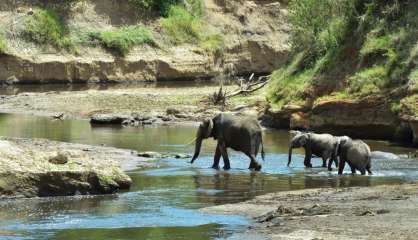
[(45, 27), (124, 39), (370, 80), (288, 83), (160, 6), (320, 25), (181, 26)]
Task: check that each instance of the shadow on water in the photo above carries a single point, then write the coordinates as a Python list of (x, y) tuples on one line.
[(163, 202)]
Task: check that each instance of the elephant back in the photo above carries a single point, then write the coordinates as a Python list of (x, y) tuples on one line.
[(359, 154)]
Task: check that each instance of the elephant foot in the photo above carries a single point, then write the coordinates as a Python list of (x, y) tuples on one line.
[(308, 166), (215, 167), (257, 168), (324, 165), (227, 167), (329, 169)]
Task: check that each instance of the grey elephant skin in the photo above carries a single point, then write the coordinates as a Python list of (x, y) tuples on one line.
[(321, 145), (355, 153), (239, 133)]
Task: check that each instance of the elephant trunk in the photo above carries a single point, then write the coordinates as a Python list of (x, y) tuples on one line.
[(197, 148), (290, 156)]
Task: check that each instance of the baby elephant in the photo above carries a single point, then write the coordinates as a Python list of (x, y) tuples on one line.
[(356, 153)]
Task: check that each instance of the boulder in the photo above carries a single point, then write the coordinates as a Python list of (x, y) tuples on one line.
[(40, 168), (109, 118)]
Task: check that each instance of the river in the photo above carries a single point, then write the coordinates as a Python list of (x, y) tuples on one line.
[(164, 202)]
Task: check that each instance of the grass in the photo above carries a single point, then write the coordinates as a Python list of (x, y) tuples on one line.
[(3, 44), (123, 39), (370, 80), (45, 27), (183, 27), (381, 56), (411, 104)]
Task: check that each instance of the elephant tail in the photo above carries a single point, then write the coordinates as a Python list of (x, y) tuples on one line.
[(262, 149)]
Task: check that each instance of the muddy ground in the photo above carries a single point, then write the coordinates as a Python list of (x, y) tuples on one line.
[(381, 212), (189, 103)]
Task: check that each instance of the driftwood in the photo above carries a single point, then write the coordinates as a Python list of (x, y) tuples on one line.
[(245, 86), (249, 86)]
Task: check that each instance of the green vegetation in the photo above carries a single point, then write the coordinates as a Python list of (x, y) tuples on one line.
[(183, 25), (123, 39), (46, 28), (359, 47), (3, 44), (160, 6)]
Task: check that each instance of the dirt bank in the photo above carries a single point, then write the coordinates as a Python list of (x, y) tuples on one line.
[(255, 40), (37, 167), (382, 212)]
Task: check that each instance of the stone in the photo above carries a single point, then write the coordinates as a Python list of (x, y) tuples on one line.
[(59, 158), (150, 155), (108, 119)]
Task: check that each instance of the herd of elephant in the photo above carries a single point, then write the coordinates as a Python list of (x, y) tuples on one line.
[(244, 134)]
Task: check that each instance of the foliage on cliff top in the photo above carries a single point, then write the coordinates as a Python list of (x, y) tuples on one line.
[(184, 25), (160, 6), (356, 46), (123, 39), (47, 28)]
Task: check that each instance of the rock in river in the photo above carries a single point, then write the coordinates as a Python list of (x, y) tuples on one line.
[(39, 168)]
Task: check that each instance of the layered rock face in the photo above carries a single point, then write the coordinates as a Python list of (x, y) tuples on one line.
[(39, 168), (370, 118), (255, 32)]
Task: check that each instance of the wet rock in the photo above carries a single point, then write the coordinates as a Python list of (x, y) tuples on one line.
[(59, 158), (182, 156), (172, 111), (109, 119), (150, 155)]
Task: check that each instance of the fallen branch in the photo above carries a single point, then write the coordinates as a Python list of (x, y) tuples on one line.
[(250, 86)]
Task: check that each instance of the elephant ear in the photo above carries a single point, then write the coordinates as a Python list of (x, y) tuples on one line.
[(305, 139), (209, 128)]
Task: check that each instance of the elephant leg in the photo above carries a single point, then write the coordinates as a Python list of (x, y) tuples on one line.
[(324, 162), (368, 169), (341, 166), (254, 164), (217, 157), (363, 171), (353, 170), (331, 160), (308, 156), (225, 157)]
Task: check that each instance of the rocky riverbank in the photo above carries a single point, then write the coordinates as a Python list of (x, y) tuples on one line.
[(255, 37), (382, 212), (40, 168)]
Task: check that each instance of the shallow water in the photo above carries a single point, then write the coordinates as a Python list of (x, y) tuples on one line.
[(163, 202)]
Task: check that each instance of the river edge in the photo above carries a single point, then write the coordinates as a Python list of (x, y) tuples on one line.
[(43, 168), (380, 212)]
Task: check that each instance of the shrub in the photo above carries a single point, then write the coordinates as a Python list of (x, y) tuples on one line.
[(213, 42), (45, 27), (160, 6), (181, 26), (123, 39), (370, 80)]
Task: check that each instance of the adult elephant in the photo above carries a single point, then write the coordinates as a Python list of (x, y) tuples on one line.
[(236, 132), (356, 153), (321, 145)]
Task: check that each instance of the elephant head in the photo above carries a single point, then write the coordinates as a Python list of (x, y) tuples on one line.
[(300, 140), (204, 131)]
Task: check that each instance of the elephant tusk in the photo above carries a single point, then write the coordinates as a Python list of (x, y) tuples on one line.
[(192, 141)]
